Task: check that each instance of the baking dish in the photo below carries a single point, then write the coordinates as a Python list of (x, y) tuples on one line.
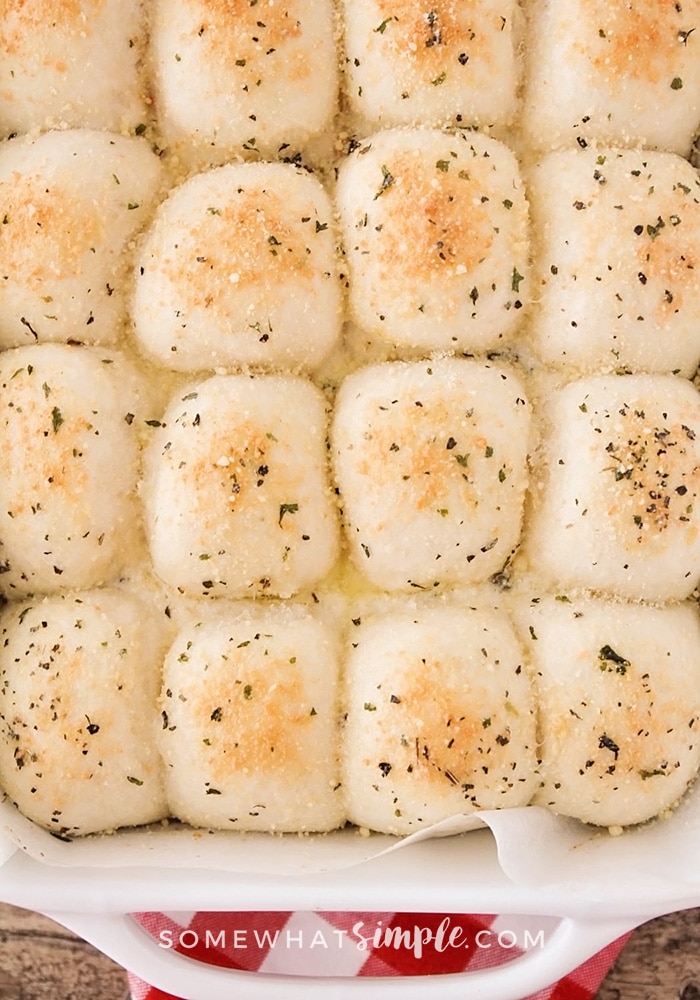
[(528, 864)]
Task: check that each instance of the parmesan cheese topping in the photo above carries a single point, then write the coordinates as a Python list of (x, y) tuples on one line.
[(347, 363)]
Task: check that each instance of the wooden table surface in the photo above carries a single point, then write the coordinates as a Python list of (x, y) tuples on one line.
[(41, 961)]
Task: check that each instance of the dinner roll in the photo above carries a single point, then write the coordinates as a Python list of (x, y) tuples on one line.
[(69, 512), (440, 718), (250, 721), (618, 689), (627, 74), (618, 508), (430, 459), (436, 238), (238, 501), (253, 79), (410, 63), (72, 64), (78, 721), (625, 293), (71, 204), (240, 268)]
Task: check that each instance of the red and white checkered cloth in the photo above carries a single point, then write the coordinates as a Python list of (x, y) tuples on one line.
[(362, 944)]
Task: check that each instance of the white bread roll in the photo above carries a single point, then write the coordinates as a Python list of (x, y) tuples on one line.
[(69, 467), (409, 63), (430, 459), (440, 718), (618, 691), (259, 78), (618, 510), (78, 720), (436, 237), (71, 203), (240, 268), (622, 73), (625, 293), (250, 721), (72, 64), (238, 500)]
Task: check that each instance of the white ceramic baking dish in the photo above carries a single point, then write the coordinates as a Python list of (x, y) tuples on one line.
[(597, 890)]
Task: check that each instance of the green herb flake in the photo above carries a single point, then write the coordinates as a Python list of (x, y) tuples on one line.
[(287, 508), (676, 83), (248, 692), (387, 181), (443, 165), (439, 79), (133, 780), (369, 707), (607, 655), (56, 419), (516, 279)]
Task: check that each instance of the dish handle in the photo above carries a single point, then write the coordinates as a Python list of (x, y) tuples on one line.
[(121, 938)]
